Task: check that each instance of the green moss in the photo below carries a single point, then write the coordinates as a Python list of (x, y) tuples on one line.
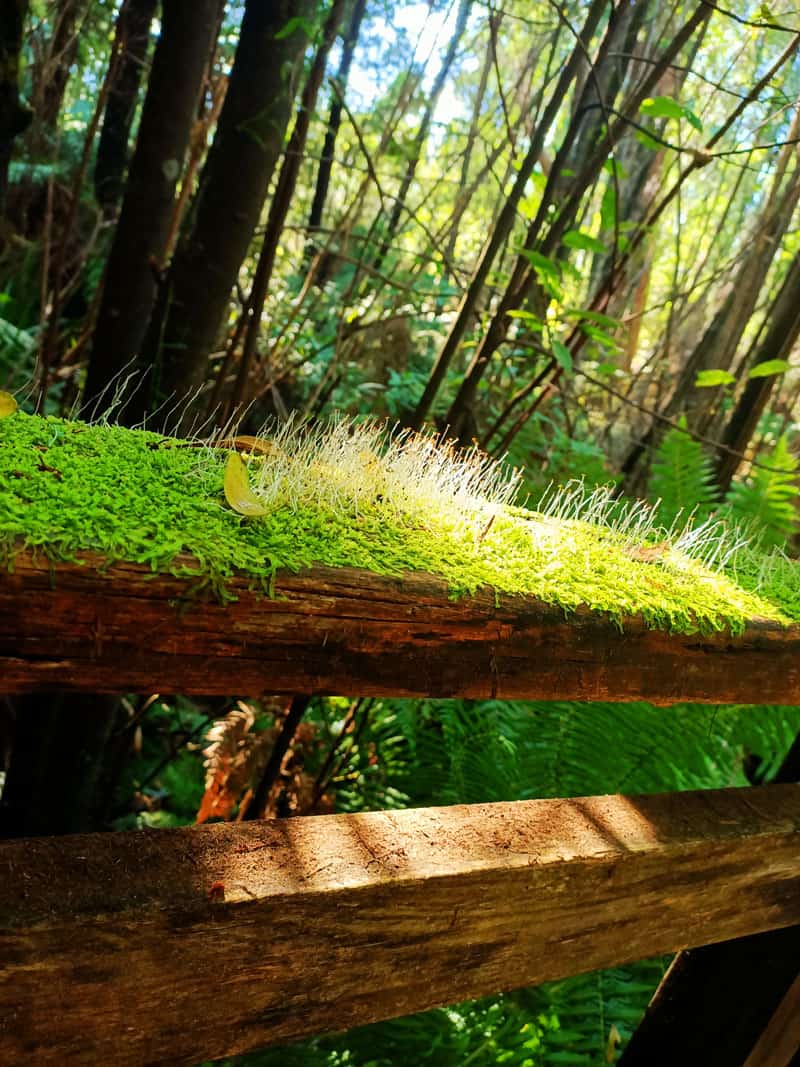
[(132, 495)]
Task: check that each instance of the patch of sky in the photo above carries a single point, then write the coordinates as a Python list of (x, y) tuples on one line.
[(400, 36)]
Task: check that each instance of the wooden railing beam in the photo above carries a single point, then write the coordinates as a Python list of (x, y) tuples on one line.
[(124, 629), (183, 945)]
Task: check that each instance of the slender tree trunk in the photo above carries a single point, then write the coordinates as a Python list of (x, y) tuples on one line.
[(247, 145), (14, 116), (284, 191), (54, 73), (422, 133), (506, 219), (187, 30), (776, 342), (523, 279), (133, 34), (334, 120)]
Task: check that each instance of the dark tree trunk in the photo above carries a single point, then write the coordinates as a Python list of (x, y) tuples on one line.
[(58, 747), (14, 117), (187, 31), (133, 35), (334, 119), (284, 191), (233, 185), (777, 340)]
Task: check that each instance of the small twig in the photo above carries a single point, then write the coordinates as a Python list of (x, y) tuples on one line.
[(284, 739)]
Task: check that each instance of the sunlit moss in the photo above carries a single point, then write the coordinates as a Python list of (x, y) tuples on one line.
[(349, 498)]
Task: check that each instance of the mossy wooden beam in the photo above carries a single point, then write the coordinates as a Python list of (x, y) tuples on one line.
[(176, 946), (340, 631)]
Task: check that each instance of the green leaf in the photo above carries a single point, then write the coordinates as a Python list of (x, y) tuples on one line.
[(708, 378), (584, 241), (664, 107), (543, 264), (237, 488), (592, 316), (297, 23), (769, 367), (608, 207), (563, 356)]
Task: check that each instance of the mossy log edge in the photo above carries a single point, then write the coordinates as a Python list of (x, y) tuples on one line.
[(184, 945), (90, 626)]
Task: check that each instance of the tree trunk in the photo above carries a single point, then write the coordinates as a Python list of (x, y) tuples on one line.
[(133, 35), (506, 219), (422, 132), (57, 754), (282, 198), (53, 75), (780, 336), (233, 185), (460, 417), (334, 119), (717, 348), (130, 280), (14, 117)]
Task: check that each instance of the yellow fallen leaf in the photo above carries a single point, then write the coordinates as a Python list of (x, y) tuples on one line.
[(237, 488), (8, 404)]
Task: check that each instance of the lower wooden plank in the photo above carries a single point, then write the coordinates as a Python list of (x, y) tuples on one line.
[(123, 629), (178, 946)]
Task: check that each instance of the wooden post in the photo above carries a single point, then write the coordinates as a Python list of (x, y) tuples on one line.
[(182, 945)]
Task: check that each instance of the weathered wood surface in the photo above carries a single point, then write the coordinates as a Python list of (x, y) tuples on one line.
[(351, 632), (119, 948)]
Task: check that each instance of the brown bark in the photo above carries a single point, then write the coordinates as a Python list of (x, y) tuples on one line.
[(133, 35), (288, 928), (247, 145), (130, 279), (343, 631)]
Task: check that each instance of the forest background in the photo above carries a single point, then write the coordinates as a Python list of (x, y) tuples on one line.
[(567, 231)]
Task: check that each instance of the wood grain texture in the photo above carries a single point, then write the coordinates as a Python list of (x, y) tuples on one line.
[(175, 946), (339, 631)]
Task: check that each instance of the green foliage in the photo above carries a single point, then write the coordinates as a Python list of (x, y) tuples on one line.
[(682, 478), (766, 499)]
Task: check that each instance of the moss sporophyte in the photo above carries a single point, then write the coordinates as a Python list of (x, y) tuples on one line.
[(354, 495)]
